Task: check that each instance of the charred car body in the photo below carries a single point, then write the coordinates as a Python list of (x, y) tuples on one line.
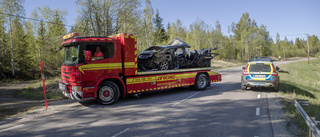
[(174, 56)]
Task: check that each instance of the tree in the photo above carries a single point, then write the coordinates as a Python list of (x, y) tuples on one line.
[(3, 45), (160, 35), (13, 7), (20, 47), (147, 19), (41, 36), (198, 34), (252, 40), (314, 45), (176, 30), (128, 15), (55, 31), (106, 17), (31, 57)]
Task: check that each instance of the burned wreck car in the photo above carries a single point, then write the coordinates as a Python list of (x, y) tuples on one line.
[(174, 56)]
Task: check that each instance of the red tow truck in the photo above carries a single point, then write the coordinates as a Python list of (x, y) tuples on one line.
[(115, 74)]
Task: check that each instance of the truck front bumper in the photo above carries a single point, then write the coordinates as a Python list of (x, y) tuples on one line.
[(73, 95), (66, 91)]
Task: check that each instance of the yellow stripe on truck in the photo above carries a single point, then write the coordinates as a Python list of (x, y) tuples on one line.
[(100, 66), (129, 65)]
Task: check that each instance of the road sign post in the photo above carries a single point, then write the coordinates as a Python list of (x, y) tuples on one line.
[(43, 82)]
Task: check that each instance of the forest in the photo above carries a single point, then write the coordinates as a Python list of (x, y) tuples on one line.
[(26, 40)]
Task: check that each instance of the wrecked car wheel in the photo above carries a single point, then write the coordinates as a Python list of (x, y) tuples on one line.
[(163, 65)]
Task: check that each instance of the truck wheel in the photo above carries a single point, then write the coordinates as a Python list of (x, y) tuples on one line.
[(163, 65), (108, 93), (201, 83)]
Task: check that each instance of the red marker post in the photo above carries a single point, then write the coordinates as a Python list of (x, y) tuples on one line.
[(43, 82)]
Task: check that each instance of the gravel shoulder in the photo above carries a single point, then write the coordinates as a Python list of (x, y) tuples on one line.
[(280, 121)]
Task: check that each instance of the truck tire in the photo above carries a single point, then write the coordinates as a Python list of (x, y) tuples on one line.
[(201, 83), (108, 93), (164, 65)]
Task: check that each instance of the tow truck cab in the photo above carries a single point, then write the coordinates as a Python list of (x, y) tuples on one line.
[(81, 72)]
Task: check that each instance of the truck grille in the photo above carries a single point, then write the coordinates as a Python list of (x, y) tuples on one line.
[(66, 73)]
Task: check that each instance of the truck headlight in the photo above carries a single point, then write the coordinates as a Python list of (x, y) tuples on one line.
[(76, 88)]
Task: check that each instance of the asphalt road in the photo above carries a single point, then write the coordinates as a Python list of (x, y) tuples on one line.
[(223, 110)]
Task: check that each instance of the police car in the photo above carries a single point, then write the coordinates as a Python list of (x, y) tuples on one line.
[(260, 73)]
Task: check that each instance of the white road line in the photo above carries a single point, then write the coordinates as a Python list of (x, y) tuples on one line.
[(258, 96), (255, 136), (185, 99), (121, 132), (257, 111), (11, 128)]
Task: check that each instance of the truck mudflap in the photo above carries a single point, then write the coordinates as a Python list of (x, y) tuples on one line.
[(214, 77)]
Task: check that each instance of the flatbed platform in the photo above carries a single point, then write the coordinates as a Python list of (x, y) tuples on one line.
[(173, 71)]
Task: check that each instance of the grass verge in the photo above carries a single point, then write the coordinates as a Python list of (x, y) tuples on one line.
[(35, 90), (300, 80)]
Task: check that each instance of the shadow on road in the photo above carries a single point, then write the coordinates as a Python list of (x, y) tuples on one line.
[(170, 94)]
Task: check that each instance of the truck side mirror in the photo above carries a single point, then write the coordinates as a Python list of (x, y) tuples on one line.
[(243, 68), (88, 55), (277, 68)]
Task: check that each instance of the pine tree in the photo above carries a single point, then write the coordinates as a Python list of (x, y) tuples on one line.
[(41, 36), (160, 35), (32, 61), (55, 32)]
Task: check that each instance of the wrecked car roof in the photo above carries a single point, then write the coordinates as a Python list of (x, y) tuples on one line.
[(178, 43)]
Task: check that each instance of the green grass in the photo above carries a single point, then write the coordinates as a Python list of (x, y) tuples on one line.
[(35, 90), (300, 80)]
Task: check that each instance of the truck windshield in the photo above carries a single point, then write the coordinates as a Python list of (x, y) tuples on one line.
[(71, 55)]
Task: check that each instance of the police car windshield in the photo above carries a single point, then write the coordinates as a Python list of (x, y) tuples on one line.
[(260, 67)]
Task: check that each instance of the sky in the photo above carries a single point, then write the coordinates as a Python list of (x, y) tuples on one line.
[(290, 18)]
